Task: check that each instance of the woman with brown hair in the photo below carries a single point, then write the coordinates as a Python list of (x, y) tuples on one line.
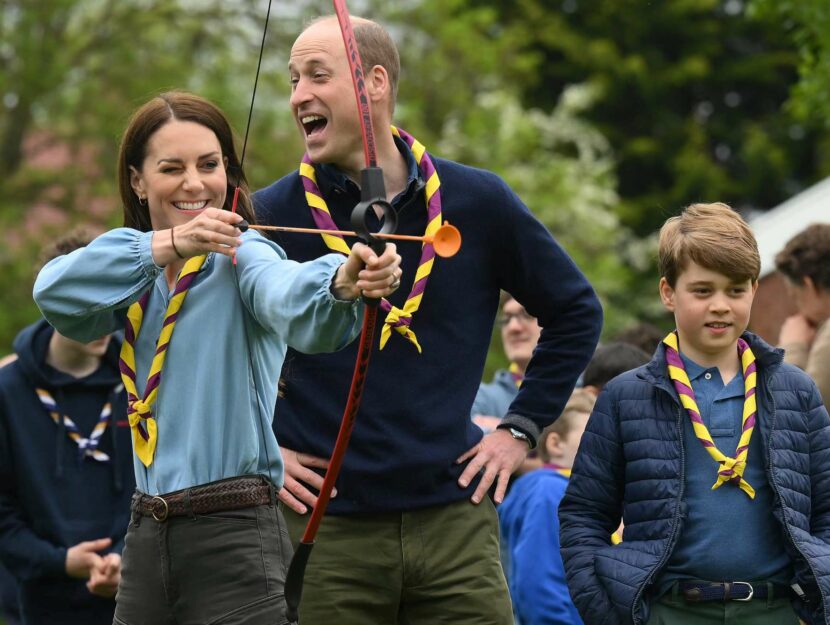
[(209, 313)]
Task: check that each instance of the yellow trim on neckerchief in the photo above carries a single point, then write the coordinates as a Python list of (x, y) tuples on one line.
[(140, 410), (397, 319), (731, 469)]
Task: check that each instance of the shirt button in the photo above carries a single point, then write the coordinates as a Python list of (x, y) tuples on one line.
[(708, 375)]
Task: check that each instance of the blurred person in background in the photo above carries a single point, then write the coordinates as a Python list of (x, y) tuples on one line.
[(609, 361), (642, 334), (805, 336), (530, 523), (519, 334), (65, 472)]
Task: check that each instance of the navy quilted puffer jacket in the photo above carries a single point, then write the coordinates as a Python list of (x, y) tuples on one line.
[(631, 464)]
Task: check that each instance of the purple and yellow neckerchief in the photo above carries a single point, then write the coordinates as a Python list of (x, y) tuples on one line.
[(731, 469), (517, 374), (398, 319), (558, 468), (87, 446), (140, 410)]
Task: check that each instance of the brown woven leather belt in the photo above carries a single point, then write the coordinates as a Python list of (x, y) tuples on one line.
[(231, 494)]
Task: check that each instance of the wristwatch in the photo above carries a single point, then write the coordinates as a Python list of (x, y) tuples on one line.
[(519, 435)]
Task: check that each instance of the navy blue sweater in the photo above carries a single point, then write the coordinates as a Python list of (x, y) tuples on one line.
[(50, 499), (414, 420)]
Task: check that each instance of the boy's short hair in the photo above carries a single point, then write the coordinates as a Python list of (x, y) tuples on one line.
[(580, 402), (644, 335), (73, 240), (712, 235), (807, 255), (611, 360)]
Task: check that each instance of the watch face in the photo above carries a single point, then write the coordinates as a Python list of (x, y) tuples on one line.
[(518, 434)]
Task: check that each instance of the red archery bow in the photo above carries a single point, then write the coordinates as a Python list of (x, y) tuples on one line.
[(372, 194)]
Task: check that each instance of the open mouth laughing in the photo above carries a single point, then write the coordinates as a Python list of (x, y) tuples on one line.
[(313, 124)]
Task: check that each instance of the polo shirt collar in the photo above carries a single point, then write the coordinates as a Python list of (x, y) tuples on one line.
[(735, 388), (330, 179)]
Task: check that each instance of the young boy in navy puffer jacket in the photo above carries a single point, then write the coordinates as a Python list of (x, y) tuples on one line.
[(716, 455)]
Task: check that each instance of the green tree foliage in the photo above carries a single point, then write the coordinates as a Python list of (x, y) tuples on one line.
[(604, 116), (691, 96), (73, 70), (808, 23), (564, 171)]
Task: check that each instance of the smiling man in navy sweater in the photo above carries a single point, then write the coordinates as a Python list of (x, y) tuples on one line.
[(412, 536)]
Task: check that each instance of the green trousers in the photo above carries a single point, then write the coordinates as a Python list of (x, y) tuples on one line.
[(672, 609), (422, 567)]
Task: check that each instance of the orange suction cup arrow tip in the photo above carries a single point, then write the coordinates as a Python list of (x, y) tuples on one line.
[(447, 241)]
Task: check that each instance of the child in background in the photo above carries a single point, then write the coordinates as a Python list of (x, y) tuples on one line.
[(716, 454), (530, 524)]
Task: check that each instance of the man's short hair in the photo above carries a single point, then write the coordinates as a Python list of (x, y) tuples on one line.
[(375, 46), (581, 402), (807, 255), (611, 360), (712, 235)]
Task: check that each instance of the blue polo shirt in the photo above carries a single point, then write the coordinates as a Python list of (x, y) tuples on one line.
[(725, 536)]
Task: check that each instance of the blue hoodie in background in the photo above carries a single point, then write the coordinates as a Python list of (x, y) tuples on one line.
[(50, 498), (529, 519)]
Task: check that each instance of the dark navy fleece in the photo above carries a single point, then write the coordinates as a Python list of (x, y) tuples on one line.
[(50, 499), (414, 420)]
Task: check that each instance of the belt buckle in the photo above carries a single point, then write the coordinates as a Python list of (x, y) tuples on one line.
[(163, 515), (748, 585)]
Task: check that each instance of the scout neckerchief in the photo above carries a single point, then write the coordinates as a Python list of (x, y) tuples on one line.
[(398, 319), (731, 469), (516, 374), (558, 468), (140, 411), (87, 447)]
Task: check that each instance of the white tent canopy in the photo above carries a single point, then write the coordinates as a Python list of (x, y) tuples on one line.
[(775, 227)]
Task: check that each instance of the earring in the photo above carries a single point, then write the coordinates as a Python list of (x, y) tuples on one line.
[(142, 200)]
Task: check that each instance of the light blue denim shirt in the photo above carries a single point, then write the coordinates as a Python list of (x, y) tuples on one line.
[(219, 383)]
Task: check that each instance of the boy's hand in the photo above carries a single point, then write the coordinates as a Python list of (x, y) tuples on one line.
[(498, 455), (83, 557), (104, 579)]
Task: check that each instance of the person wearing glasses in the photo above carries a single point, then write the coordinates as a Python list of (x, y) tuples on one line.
[(519, 334)]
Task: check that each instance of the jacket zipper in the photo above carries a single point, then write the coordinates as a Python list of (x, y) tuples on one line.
[(774, 484), (675, 525)]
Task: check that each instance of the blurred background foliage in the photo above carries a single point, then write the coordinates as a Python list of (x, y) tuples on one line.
[(605, 116)]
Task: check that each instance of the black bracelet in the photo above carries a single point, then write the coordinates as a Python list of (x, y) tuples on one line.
[(173, 241)]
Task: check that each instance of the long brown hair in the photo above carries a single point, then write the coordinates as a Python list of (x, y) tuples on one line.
[(182, 106)]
